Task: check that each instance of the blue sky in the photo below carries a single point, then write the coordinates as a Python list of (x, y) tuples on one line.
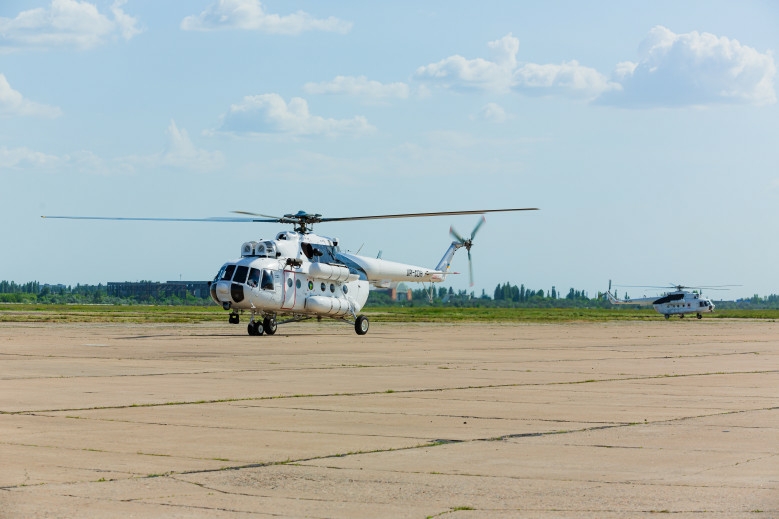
[(647, 133)]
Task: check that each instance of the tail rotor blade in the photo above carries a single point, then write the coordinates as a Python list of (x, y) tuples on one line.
[(456, 235), (478, 226), (470, 268)]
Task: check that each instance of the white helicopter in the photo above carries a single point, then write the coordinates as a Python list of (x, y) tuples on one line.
[(302, 275), (677, 302)]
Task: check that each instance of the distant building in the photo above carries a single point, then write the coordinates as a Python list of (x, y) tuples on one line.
[(399, 293), (156, 289)]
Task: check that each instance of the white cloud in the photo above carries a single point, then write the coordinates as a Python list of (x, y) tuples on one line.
[(568, 78), (504, 74), (694, 69), (126, 24), (12, 103), (24, 158), (20, 158), (494, 113), (358, 86), (180, 153), (249, 15), (459, 72), (69, 23), (270, 114)]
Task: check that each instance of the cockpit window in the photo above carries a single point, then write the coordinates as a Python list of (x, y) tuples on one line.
[(254, 277), (324, 254), (228, 272), (240, 274), (267, 280)]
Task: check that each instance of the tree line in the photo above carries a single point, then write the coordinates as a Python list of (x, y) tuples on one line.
[(504, 295), (35, 292)]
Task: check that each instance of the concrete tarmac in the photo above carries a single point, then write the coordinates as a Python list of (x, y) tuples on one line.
[(593, 420)]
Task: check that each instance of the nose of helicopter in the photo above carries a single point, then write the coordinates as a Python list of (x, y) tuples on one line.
[(220, 293)]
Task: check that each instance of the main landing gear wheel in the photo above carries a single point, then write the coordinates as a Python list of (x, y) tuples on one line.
[(667, 316), (269, 325), (699, 316), (681, 316), (234, 319), (361, 325), (255, 328)]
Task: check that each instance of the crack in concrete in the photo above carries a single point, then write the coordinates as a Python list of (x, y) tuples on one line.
[(398, 391)]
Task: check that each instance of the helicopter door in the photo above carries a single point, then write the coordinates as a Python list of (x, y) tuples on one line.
[(289, 290)]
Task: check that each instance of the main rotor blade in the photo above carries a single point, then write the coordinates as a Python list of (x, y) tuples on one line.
[(286, 219), (418, 215), (214, 219), (248, 213)]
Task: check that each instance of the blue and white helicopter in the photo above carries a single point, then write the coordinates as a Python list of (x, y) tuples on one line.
[(678, 301)]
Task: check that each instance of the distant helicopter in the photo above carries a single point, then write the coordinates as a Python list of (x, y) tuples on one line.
[(302, 275), (677, 302)]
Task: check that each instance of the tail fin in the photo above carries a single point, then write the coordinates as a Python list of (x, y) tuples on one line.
[(446, 261), (614, 299)]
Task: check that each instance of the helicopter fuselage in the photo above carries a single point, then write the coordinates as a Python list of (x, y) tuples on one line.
[(305, 275), (679, 302)]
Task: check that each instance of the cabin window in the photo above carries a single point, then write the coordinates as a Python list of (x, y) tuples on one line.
[(267, 280), (240, 274), (228, 273), (346, 289), (297, 283), (332, 287), (323, 287), (311, 285), (289, 282), (254, 278)]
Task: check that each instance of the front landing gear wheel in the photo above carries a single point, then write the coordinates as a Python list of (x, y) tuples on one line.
[(361, 325), (255, 328), (269, 325)]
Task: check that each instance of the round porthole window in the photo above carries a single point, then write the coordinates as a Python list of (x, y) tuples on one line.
[(346, 289), (297, 283), (323, 287), (332, 287), (289, 282), (311, 285)]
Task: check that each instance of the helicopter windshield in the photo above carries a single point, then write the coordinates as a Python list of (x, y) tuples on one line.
[(227, 272), (240, 274), (322, 253)]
